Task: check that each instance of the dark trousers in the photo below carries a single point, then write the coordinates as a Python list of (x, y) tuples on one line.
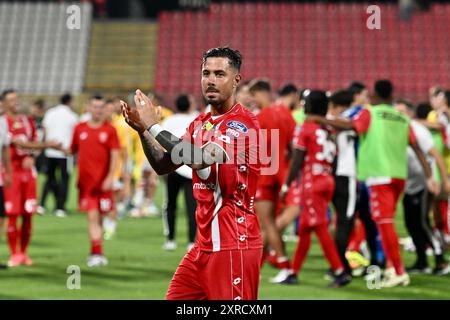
[(416, 209), (57, 185), (175, 183), (344, 201), (363, 208)]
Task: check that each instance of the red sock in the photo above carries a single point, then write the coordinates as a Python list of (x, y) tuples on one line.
[(445, 214), (389, 241), (12, 234), (304, 241), (96, 247), (329, 248), (283, 263), (25, 235), (440, 221)]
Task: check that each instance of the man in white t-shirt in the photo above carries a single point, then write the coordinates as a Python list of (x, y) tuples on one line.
[(345, 194), (58, 125), (5, 178), (417, 200), (182, 177)]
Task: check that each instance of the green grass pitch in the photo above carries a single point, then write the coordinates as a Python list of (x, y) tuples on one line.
[(140, 269)]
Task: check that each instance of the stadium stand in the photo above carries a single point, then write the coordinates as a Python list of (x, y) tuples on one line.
[(121, 56), (314, 45), (39, 53)]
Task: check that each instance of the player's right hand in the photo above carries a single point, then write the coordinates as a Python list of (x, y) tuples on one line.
[(27, 163), (54, 145), (283, 192)]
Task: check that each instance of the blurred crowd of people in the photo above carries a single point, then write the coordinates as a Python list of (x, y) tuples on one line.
[(362, 132)]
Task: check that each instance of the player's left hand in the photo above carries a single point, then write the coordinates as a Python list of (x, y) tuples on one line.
[(144, 115), (8, 179), (433, 186), (107, 183), (447, 187)]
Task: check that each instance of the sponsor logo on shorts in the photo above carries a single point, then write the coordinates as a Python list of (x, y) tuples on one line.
[(239, 126), (204, 186)]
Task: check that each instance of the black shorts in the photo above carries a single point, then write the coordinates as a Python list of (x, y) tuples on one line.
[(2, 203)]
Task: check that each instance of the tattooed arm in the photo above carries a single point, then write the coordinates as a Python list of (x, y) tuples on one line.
[(164, 151)]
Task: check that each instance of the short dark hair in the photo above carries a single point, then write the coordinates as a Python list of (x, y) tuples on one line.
[(287, 90), (66, 98), (384, 88), (436, 91), (234, 56), (447, 96), (6, 92), (342, 98), (316, 102), (40, 103), (97, 96), (422, 110), (407, 103), (356, 87), (259, 85), (182, 103)]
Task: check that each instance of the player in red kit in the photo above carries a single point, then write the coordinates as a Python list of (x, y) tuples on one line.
[(221, 147), (20, 195), (97, 146), (278, 127), (314, 154)]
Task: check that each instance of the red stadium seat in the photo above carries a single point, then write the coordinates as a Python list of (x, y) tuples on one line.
[(314, 45)]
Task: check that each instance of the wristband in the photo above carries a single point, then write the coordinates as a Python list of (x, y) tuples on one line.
[(155, 130)]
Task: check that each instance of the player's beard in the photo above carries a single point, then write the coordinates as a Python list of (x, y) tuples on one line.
[(216, 102)]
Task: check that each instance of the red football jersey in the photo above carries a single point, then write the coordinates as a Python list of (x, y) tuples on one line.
[(320, 149), (20, 128), (277, 117), (93, 146), (225, 193)]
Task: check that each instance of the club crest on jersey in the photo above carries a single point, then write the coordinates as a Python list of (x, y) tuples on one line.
[(83, 136), (208, 126), (239, 126), (103, 137), (17, 125)]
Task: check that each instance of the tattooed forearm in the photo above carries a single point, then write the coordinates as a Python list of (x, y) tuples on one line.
[(159, 159), (189, 154)]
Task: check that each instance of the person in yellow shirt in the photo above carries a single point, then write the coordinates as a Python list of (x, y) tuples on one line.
[(144, 177), (121, 182)]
